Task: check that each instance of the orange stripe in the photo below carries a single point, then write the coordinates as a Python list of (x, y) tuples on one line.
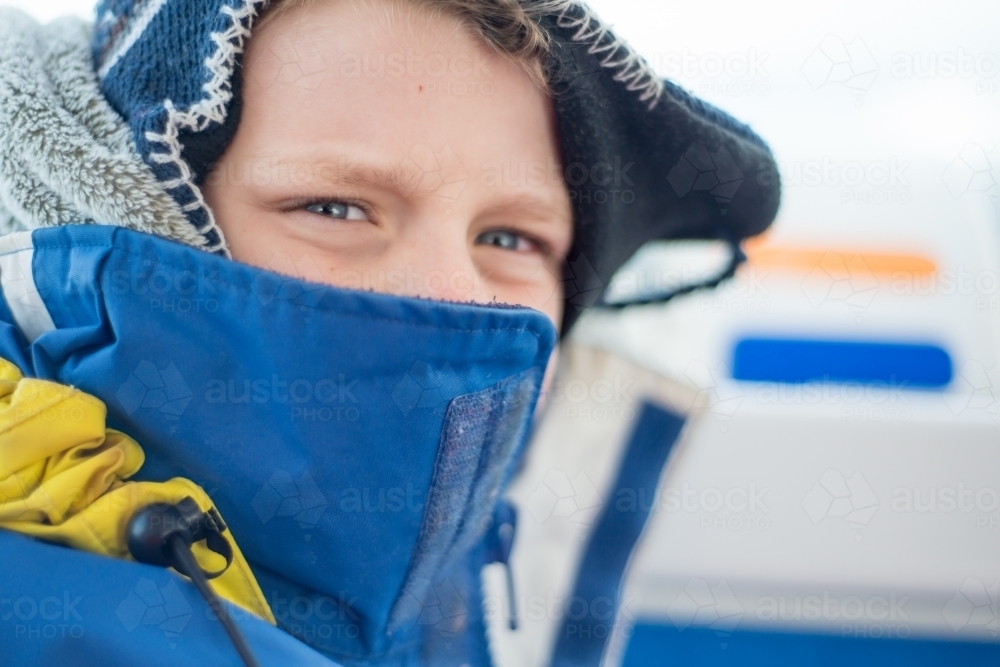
[(790, 258)]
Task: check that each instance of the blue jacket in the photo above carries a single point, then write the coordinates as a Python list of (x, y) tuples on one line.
[(356, 445)]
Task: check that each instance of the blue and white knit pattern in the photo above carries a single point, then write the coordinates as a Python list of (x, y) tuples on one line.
[(167, 66)]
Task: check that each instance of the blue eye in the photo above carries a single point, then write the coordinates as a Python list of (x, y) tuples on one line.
[(504, 240), (338, 210)]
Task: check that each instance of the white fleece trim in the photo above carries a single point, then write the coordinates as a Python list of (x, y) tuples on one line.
[(135, 28), (211, 108), (67, 156), (17, 280)]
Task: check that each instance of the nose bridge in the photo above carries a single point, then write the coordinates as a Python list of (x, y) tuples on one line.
[(438, 255)]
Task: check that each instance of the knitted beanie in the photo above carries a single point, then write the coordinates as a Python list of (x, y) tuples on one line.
[(171, 68)]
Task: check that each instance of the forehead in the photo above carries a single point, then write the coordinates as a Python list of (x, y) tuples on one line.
[(398, 82)]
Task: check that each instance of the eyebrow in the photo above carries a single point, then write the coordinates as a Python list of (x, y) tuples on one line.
[(346, 172), (525, 204), (406, 180)]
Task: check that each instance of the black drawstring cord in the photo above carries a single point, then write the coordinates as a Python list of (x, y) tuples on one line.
[(737, 258), (189, 566)]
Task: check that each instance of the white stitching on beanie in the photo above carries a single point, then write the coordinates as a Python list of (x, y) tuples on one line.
[(632, 69), (228, 45), (614, 53)]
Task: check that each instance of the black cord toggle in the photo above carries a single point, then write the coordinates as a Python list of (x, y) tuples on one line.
[(162, 534), (150, 528)]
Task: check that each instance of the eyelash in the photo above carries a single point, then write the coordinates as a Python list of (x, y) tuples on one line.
[(319, 201), (542, 246), (303, 204)]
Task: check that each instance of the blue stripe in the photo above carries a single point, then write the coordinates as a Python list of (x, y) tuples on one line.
[(589, 615), (656, 645), (802, 360)]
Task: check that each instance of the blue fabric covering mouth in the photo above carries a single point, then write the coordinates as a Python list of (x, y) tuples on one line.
[(355, 443)]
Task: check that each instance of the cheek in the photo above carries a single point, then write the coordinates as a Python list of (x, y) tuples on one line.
[(522, 280), (554, 308), (545, 293)]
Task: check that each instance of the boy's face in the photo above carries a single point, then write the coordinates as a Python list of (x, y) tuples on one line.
[(384, 147)]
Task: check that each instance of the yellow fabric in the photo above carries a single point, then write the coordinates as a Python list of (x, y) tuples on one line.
[(63, 479)]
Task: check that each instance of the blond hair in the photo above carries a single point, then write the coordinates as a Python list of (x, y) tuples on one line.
[(509, 27)]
